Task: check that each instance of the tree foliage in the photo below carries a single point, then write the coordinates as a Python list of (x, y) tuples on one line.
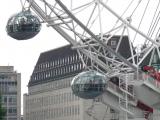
[(2, 110)]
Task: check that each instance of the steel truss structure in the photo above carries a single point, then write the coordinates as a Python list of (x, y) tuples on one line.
[(90, 26)]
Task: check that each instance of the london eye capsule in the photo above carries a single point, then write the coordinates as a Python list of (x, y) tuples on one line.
[(88, 84), (23, 25)]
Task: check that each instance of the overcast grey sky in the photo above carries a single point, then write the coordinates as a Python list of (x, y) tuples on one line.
[(23, 55)]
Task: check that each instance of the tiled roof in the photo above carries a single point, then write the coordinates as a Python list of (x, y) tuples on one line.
[(56, 64), (64, 62)]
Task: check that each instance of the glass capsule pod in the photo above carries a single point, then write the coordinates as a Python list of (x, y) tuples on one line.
[(23, 25), (88, 84)]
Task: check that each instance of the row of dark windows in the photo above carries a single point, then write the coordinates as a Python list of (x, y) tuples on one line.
[(8, 87), (12, 110), (12, 83), (60, 71), (58, 62), (10, 118), (54, 113), (9, 99), (58, 84), (45, 101)]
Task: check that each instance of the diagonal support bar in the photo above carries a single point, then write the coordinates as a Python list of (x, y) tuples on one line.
[(67, 37), (129, 25), (94, 36)]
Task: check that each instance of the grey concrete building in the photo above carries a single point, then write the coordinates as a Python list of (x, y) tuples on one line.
[(10, 88), (50, 96)]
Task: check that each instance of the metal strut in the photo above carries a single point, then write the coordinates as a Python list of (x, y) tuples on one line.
[(44, 17), (94, 36), (129, 25)]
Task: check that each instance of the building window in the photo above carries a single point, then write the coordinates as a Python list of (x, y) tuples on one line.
[(112, 111), (68, 60), (113, 43), (53, 63), (5, 99), (57, 62), (71, 59), (63, 61), (75, 57), (72, 68), (50, 64)]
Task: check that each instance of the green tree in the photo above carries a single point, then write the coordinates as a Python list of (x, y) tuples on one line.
[(2, 110)]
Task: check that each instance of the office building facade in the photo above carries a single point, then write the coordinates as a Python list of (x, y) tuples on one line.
[(49, 94), (10, 89)]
